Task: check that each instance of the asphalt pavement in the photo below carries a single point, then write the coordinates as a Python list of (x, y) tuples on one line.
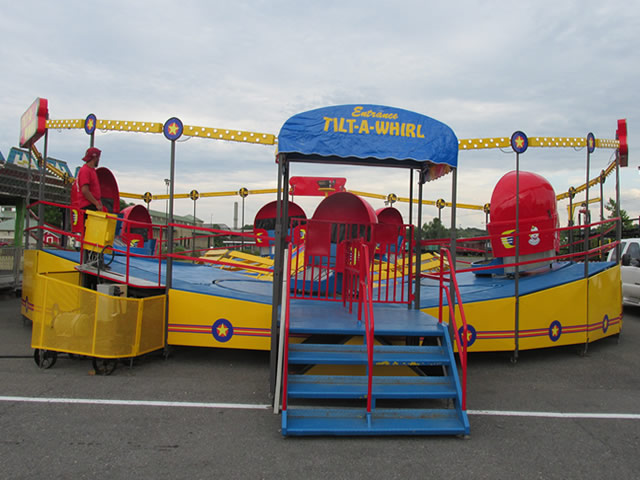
[(203, 413)]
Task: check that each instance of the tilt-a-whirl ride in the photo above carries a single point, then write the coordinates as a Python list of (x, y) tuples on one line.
[(345, 299)]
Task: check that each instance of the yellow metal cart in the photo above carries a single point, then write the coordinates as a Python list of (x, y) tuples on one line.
[(103, 324)]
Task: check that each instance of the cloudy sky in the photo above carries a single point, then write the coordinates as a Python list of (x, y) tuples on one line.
[(486, 69)]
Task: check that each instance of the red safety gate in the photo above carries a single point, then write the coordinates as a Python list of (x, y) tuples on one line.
[(321, 272)]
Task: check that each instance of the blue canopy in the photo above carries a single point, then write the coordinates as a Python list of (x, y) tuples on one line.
[(370, 135)]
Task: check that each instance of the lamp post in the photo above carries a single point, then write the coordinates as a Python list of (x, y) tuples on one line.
[(210, 226), (166, 202)]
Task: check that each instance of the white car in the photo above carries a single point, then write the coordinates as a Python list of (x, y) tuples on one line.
[(629, 270)]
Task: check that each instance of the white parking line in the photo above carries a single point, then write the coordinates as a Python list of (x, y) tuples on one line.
[(250, 406), (135, 403), (605, 416)]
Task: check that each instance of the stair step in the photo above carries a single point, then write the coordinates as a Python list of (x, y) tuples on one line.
[(317, 317), (341, 354), (348, 386), (410, 355), (313, 421)]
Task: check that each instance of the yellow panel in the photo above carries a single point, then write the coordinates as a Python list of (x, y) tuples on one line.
[(131, 195), (565, 304), (129, 126), (229, 193), (263, 190), (68, 322), (555, 142), (30, 285), (77, 320), (480, 143), (232, 135), (492, 321), (605, 304), (76, 123), (35, 263), (369, 195), (152, 324), (192, 317), (48, 263), (116, 326), (607, 143)]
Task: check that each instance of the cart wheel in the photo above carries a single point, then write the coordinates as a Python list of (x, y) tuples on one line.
[(45, 358), (104, 366)]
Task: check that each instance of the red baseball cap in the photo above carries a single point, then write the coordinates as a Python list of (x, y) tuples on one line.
[(90, 153)]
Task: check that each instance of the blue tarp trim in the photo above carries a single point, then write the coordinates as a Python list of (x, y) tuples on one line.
[(369, 135)]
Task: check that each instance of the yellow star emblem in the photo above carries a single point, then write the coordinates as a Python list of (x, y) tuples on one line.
[(554, 330), (90, 124), (173, 128), (222, 331), (519, 142)]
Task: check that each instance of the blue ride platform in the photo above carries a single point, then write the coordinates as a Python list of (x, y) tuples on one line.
[(213, 281)]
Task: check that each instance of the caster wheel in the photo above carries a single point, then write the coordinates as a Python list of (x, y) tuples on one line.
[(104, 366), (45, 358)]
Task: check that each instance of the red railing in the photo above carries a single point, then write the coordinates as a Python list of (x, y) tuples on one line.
[(322, 273), (359, 286), (445, 277), (486, 239), (124, 250), (366, 302)]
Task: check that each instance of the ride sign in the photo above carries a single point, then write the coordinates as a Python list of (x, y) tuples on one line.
[(370, 135), (316, 186), (33, 123)]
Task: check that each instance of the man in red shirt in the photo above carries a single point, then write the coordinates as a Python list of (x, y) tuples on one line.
[(87, 186), (86, 195)]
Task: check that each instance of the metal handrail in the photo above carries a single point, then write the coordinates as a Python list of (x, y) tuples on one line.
[(365, 298), (462, 344)]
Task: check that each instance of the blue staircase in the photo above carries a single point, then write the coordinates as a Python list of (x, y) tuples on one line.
[(418, 404)]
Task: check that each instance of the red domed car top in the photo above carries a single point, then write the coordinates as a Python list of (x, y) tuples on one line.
[(537, 211)]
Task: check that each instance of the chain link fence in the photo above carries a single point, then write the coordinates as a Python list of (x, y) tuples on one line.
[(10, 268)]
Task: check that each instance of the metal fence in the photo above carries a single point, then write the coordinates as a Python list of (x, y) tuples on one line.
[(10, 267)]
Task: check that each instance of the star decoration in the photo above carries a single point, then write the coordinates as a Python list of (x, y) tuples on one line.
[(222, 330), (173, 128), (554, 330), (90, 124), (519, 142)]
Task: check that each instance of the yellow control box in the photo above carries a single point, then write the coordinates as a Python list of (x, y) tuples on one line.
[(99, 231)]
